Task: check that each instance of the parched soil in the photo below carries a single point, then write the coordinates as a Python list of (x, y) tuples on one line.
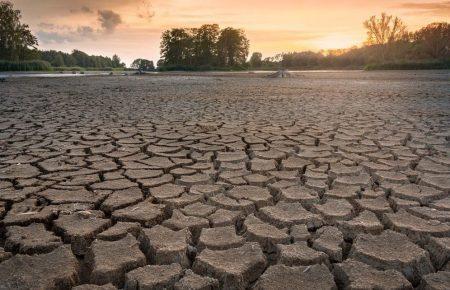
[(323, 180)]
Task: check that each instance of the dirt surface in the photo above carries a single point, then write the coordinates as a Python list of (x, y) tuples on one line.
[(325, 180)]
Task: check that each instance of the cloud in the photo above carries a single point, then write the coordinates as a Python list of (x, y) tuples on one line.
[(85, 31), (146, 10), (83, 10), (47, 26), (436, 8), (51, 33), (86, 9), (109, 20)]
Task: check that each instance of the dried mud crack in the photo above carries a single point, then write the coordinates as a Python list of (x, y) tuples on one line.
[(318, 181)]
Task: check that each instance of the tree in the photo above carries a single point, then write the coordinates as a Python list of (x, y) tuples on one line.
[(434, 39), (58, 61), (16, 38), (388, 35), (116, 62), (205, 44), (256, 60), (82, 59), (176, 47), (143, 64), (386, 29), (232, 47)]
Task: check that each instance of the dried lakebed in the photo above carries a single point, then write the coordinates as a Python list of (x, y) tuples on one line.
[(326, 180)]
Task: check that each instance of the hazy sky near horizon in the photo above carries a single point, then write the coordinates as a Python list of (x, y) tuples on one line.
[(132, 28)]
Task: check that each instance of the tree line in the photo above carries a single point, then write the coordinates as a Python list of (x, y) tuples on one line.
[(205, 47), (80, 59), (18, 49), (389, 45)]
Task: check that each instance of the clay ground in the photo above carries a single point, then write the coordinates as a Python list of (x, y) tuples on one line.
[(325, 180)]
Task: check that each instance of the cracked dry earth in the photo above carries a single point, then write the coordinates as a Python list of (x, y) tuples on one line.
[(320, 181)]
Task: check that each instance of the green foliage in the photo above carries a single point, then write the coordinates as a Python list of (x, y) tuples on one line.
[(177, 47), (16, 40), (256, 60), (143, 64), (80, 59), (232, 47), (30, 65), (206, 47), (434, 40), (116, 62), (428, 48), (205, 44)]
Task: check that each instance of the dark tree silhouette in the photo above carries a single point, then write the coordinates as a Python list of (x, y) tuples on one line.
[(143, 64), (176, 47), (204, 47), (16, 39), (205, 44), (232, 47), (256, 60), (383, 30), (80, 59), (434, 39), (116, 62)]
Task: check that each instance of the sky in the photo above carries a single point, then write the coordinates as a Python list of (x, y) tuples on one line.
[(132, 28)]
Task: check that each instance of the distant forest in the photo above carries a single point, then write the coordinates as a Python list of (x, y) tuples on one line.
[(389, 45), (18, 49)]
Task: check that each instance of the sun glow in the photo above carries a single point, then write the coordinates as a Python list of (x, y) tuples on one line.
[(271, 26), (336, 41)]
